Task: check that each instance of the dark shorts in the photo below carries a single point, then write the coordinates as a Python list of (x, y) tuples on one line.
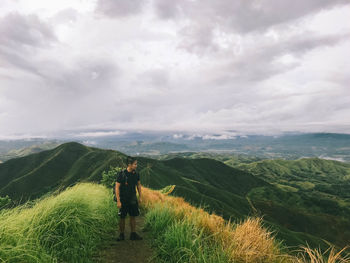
[(131, 209)]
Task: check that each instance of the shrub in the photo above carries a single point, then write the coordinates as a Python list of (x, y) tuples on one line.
[(109, 177), (4, 201)]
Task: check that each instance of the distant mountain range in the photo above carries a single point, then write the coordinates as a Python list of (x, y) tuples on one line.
[(287, 146), (18, 148), (299, 198)]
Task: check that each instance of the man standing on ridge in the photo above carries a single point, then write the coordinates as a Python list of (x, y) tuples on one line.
[(127, 180)]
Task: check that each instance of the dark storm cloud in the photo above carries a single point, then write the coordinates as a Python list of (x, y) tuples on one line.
[(118, 8)]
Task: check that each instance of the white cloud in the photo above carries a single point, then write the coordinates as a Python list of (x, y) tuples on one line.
[(98, 134), (174, 65)]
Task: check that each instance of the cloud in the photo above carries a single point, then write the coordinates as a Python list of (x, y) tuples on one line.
[(169, 9), (242, 16), (119, 8), (40, 82), (261, 63), (99, 134), (204, 18), (22, 36), (156, 78), (65, 15), (175, 65), (24, 31)]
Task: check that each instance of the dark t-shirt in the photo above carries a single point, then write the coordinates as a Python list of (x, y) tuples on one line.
[(128, 183)]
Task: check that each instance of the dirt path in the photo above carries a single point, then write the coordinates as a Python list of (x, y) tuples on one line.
[(129, 251)]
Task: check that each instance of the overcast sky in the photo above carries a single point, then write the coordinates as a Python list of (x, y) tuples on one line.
[(174, 65)]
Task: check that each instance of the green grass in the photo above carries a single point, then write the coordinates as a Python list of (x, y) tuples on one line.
[(180, 240), (68, 227)]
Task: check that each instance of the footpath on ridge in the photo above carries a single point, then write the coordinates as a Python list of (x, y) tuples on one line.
[(128, 251)]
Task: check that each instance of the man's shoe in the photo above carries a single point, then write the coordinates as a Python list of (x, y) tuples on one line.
[(135, 236), (121, 237)]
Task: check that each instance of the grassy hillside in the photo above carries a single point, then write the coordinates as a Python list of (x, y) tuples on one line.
[(230, 192), (68, 227), (73, 225), (36, 174), (308, 194), (233, 193), (315, 185), (188, 234)]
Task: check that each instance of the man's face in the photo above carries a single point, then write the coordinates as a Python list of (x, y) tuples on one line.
[(133, 166)]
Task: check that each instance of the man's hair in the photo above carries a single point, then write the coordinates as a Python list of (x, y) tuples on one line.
[(130, 160)]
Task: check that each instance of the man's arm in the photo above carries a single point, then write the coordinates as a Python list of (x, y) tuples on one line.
[(117, 194), (139, 189)]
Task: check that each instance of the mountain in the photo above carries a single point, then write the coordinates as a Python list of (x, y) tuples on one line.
[(233, 192), (35, 174), (15, 153), (306, 191), (286, 146), (18, 148)]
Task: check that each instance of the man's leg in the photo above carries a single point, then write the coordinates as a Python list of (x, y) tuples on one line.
[(134, 211), (122, 215), (121, 225), (132, 224)]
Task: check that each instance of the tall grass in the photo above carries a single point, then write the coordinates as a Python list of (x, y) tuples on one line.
[(68, 227), (181, 240), (71, 226), (308, 255), (188, 234)]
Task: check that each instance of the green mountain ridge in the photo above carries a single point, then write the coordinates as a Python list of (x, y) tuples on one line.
[(233, 192), (35, 174)]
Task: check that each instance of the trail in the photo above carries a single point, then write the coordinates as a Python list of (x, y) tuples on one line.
[(129, 251)]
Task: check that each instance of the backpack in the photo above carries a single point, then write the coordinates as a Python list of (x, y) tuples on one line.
[(124, 177), (130, 199)]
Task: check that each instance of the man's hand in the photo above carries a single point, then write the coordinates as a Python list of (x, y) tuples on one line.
[(119, 204)]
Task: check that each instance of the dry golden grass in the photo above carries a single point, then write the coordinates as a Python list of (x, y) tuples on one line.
[(308, 255), (253, 243), (247, 241)]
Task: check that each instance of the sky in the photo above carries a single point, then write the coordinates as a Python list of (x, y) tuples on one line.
[(260, 66)]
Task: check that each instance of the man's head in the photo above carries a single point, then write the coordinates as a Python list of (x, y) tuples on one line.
[(131, 162)]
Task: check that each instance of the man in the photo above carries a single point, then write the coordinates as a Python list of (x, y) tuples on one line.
[(127, 203)]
